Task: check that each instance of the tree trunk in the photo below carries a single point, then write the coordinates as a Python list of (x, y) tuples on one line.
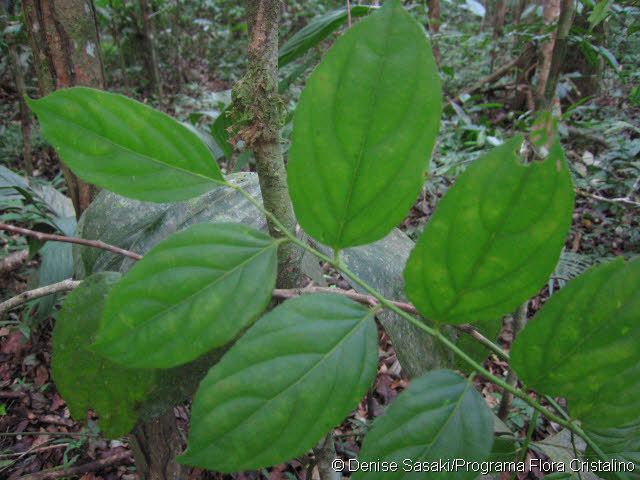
[(66, 52), (498, 18), (434, 27), (500, 10), (152, 54), (550, 13), (155, 444), (558, 55), (256, 97)]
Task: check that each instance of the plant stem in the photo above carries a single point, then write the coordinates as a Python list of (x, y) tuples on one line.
[(519, 321), (525, 446), (256, 97), (63, 286), (434, 332)]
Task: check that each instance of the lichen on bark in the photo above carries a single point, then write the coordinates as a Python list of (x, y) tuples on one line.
[(257, 113)]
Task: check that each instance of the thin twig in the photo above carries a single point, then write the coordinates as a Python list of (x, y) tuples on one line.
[(371, 301), (34, 450), (619, 200), (57, 434), (61, 238), (63, 286), (501, 72), (279, 293), (13, 261), (78, 470), (519, 321), (349, 13)]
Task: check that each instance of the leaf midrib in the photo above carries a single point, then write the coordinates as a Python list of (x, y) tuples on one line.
[(197, 292), (460, 292), (365, 138), (143, 155), (446, 422), (300, 379)]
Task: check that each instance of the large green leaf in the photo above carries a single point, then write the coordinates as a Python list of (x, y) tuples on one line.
[(125, 146), (583, 345), (295, 374), (618, 444), (364, 129), (86, 380), (494, 239), (439, 417), (315, 31), (194, 291)]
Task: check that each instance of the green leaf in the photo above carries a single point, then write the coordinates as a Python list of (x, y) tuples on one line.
[(599, 13), (192, 292), (56, 265), (86, 380), (439, 417), (610, 58), (293, 376), (618, 444), (474, 7), (315, 31), (220, 132), (494, 238), (127, 147), (583, 345), (364, 130), (474, 349)]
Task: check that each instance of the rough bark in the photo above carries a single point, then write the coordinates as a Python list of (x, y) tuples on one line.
[(325, 454), (518, 62), (550, 13), (498, 18), (155, 444), (559, 53), (13, 261), (66, 52), (255, 98), (152, 54), (434, 27)]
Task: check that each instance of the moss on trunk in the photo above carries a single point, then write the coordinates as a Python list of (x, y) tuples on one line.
[(257, 113)]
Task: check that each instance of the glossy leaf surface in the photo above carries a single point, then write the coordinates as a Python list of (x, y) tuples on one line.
[(86, 380), (439, 417), (583, 345), (294, 375), (192, 292), (494, 238), (125, 146), (364, 130)]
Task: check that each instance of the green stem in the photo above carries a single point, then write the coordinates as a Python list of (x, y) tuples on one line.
[(527, 441), (434, 332)]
